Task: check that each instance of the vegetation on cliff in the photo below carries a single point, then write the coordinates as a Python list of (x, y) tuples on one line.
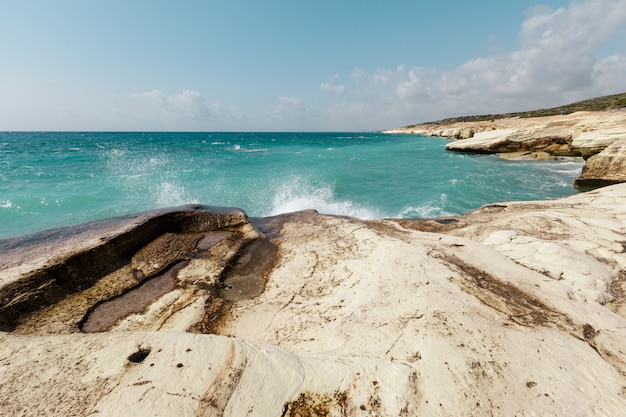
[(615, 101)]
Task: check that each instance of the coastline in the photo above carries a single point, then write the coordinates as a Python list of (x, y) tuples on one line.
[(365, 175), (515, 308), (586, 134), (337, 315)]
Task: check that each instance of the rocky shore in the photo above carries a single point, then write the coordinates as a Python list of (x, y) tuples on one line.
[(599, 137), (514, 309), (517, 308)]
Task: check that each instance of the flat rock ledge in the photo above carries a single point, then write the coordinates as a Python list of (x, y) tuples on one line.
[(514, 309), (583, 134)]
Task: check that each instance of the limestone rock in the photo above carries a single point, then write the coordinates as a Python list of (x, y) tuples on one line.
[(604, 168), (171, 374), (515, 309), (593, 135), (578, 241), (550, 139), (582, 133), (579, 134)]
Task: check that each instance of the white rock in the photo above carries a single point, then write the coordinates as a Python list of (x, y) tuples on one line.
[(503, 312)]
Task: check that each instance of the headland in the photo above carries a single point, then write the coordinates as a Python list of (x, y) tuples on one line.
[(597, 136)]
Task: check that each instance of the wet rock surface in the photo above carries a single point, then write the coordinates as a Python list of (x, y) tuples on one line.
[(91, 284)]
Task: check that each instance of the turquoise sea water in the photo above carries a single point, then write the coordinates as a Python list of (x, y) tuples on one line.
[(54, 179)]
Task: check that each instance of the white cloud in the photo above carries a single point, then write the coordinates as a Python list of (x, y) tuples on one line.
[(414, 85), (188, 105), (558, 60), (358, 74), (192, 104), (330, 87), (289, 108), (382, 76), (154, 94), (610, 73), (556, 54)]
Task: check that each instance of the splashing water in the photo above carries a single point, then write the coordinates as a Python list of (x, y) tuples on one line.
[(56, 179)]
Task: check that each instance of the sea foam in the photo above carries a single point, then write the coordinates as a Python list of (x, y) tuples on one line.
[(298, 194), (46, 183)]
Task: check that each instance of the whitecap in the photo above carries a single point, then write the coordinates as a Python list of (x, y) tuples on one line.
[(426, 210), (298, 194)]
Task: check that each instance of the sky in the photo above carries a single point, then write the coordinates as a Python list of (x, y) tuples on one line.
[(280, 65)]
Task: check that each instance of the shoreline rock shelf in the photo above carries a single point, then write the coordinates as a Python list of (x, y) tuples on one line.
[(582, 133), (513, 309), (606, 167)]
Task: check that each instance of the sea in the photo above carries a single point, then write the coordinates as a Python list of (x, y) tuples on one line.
[(55, 179)]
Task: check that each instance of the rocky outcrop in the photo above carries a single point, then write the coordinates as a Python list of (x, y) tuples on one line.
[(577, 134), (72, 273), (515, 309), (604, 168), (594, 141), (555, 142)]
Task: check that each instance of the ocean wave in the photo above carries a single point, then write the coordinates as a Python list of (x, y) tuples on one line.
[(567, 172), (6, 204), (427, 210), (299, 193), (254, 150)]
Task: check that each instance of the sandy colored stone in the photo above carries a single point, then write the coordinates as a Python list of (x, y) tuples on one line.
[(604, 168), (582, 133), (514, 309), (578, 134), (528, 156)]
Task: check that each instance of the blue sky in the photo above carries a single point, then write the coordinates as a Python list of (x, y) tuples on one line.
[(319, 65)]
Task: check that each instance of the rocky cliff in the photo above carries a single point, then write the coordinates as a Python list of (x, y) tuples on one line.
[(515, 309), (604, 168), (578, 134)]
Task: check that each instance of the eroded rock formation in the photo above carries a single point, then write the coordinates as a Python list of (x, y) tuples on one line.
[(604, 168), (578, 134), (515, 309)]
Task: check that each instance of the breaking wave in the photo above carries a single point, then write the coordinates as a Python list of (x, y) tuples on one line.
[(299, 193)]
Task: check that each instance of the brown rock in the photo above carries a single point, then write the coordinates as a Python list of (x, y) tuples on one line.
[(604, 168), (528, 156)]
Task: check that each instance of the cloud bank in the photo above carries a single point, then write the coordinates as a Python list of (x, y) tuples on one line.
[(186, 105), (563, 55)]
